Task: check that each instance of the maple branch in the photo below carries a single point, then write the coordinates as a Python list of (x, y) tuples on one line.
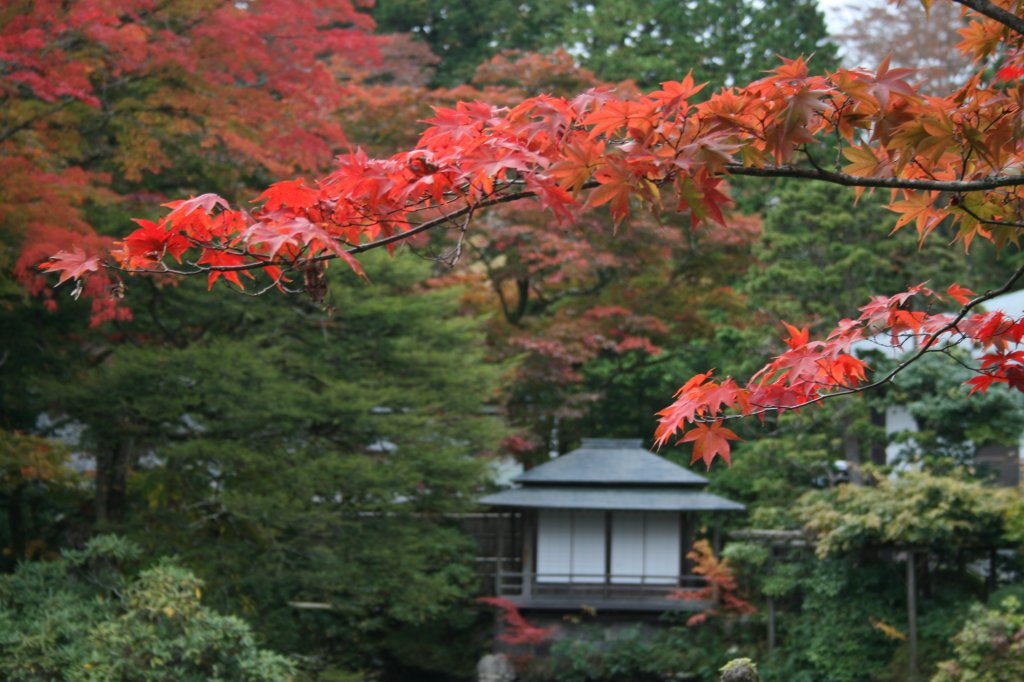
[(430, 224), (996, 13), (816, 173), (847, 180), (954, 358), (927, 346), (986, 221), (368, 246)]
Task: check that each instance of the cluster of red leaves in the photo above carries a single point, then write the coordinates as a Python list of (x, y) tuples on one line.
[(276, 41), (473, 155), (810, 369), (246, 82), (517, 631), (645, 148), (720, 588)]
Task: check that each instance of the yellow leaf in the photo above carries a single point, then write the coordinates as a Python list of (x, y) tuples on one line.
[(169, 611), (888, 630)]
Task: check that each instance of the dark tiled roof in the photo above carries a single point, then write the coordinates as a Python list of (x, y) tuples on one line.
[(600, 461), (634, 498)]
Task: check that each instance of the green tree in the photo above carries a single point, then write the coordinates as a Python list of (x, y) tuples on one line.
[(815, 238), (989, 648), (296, 457), (941, 513), (91, 616), (725, 42), (39, 496), (467, 34)]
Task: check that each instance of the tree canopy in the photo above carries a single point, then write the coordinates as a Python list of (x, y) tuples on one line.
[(948, 161)]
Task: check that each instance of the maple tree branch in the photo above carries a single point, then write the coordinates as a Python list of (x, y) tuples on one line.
[(430, 224), (996, 13), (954, 358), (817, 173), (985, 221), (927, 346), (847, 180), (393, 239)]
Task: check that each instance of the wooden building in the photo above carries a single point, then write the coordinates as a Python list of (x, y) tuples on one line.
[(605, 526)]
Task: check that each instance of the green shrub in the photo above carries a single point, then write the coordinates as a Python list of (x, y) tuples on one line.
[(989, 648), (89, 617)]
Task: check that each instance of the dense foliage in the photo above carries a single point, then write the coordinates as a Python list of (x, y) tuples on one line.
[(90, 616), (305, 458), (989, 648)]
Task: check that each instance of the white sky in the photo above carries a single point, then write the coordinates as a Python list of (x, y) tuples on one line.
[(834, 11)]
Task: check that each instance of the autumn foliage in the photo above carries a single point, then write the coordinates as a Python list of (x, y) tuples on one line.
[(102, 101), (720, 589), (953, 160), (516, 629)]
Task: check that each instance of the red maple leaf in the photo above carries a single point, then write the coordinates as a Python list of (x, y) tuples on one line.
[(960, 294), (183, 207), (71, 264), (151, 241), (291, 194), (616, 188), (219, 259), (673, 94), (709, 442)]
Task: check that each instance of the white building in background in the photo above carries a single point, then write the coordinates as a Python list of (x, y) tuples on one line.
[(606, 526)]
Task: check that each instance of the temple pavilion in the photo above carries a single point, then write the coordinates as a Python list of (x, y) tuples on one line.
[(606, 526)]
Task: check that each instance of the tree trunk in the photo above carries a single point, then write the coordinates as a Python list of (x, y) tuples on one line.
[(16, 523), (112, 484), (851, 453), (912, 613)]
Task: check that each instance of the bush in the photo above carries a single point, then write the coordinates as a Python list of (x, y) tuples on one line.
[(989, 648), (87, 616)]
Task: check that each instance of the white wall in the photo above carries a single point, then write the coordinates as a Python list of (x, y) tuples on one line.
[(572, 546), (897, 420)]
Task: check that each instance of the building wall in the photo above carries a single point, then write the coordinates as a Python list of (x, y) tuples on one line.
[(626, 547)]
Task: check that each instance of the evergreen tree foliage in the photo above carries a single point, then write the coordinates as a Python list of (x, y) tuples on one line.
[(296, 457), (725, 42), (92, 615)]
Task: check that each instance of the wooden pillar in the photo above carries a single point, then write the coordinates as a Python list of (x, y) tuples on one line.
[(717, 538), (529, 525), (771, 625), (500, 552), (607, 550), (912, 613)]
